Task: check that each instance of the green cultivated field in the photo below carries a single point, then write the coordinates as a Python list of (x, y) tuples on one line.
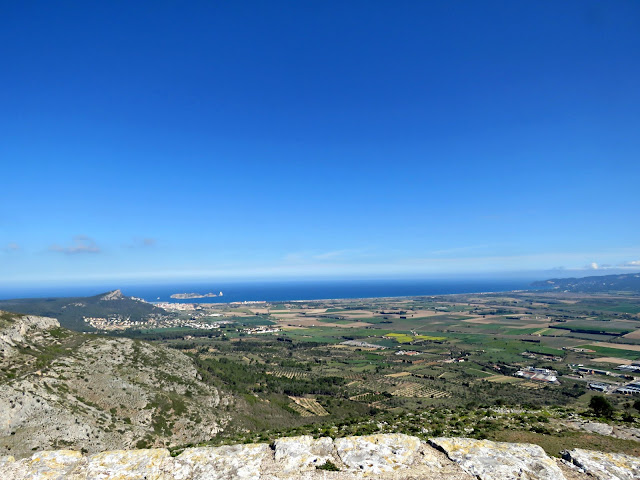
[(614, 352), (346, 366)]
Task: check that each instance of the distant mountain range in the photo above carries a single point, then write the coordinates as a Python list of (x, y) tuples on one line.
[(70, 311), (626, 282)]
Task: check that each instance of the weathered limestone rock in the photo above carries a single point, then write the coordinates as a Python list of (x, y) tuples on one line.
[(499, 461), (378, 453), (14, 334), (109, 409), (296, 454), (229, 462), (597, 427), (123, 465), (605, 466), (383, 457), (625, 432), (51, 465)]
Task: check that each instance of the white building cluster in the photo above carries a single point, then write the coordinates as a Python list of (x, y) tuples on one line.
[(262, 329), (539, 374)]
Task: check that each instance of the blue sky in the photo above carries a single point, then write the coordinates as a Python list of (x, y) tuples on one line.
[(234, 140)]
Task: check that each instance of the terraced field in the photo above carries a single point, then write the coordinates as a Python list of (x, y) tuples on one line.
[(288, 373), (300, 410), (309, 405), (367, 397), (417, 390)]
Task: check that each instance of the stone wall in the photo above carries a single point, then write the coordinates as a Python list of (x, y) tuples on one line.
[(391, 456)]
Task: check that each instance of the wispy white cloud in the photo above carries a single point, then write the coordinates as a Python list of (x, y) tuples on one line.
[(468, 248), (335, 254), (349, 261), (11, 247), (608, 266), (346, 254), (141, 242), (357, 263), (631, 264), (81, 244)]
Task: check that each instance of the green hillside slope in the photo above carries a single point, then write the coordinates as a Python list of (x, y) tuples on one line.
[(70, 311)]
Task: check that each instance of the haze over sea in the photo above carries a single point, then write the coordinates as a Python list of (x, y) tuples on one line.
[(273, 291)]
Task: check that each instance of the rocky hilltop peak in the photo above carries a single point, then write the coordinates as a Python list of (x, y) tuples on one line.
[(114, 295), (390, 457)]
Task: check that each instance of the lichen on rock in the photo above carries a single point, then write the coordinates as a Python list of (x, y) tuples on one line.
[(378, 453), (297, 454), (383, 457), (605, 466), (241, 462), (500, 461)]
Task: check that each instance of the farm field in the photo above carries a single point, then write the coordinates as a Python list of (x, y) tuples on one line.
[(326, 362)]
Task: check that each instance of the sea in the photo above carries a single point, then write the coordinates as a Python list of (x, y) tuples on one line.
[(277, 291)]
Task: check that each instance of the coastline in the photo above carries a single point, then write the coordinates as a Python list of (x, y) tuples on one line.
[(394, 297), (274, 292)]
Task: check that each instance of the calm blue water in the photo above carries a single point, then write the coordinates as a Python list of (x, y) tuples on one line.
[(280, 291)]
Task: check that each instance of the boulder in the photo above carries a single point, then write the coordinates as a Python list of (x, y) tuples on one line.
[(499, 461), (597, 427), (238, 462), (605, 466), (382, 457), (123, 465), (376, 454), (296, 454), (47, 465)]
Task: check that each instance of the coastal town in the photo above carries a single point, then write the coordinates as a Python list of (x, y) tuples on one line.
[(421, 333)]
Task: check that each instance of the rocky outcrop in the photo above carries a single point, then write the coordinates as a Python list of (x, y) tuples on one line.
[(14, 333), (387, 457), (114, 295), (489, 460), (68, 390), (381, 453), (298, 454), (624, 432), (242, 462), (605, 466)]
